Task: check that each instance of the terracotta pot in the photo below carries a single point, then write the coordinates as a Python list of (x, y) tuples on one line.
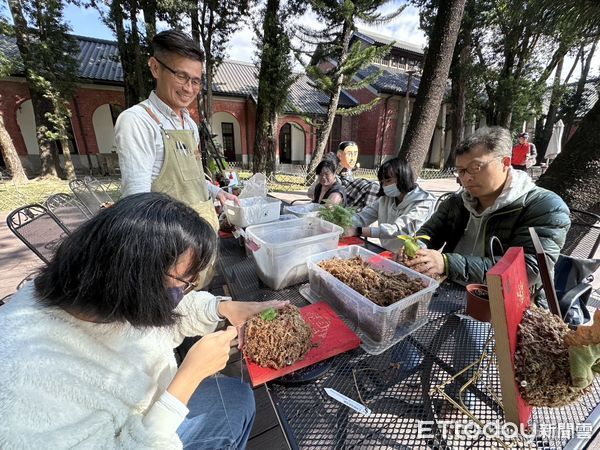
[(478, 307)]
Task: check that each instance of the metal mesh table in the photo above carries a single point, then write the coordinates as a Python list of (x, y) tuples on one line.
[(396, 384)]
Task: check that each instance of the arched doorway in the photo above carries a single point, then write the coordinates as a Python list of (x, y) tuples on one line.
[(103, 120), (285, 144), (227, 129), (26, 122)]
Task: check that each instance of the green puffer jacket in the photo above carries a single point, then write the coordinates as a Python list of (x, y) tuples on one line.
[(539, 208)]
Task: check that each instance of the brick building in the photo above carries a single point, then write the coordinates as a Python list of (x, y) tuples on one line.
[(99, 99)]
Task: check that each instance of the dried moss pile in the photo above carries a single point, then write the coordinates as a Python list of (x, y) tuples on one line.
[(277, 340), (381, 288), (542, 360)]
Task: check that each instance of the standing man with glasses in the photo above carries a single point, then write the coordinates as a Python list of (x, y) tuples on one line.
[(157, 139), (497, 200)]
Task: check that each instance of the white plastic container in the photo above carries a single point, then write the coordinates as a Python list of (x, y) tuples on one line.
[(280, 249), (304, 210), (379, 327), (252, 210)]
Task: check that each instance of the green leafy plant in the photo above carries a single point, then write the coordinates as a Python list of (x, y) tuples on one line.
[(268, 314), (337, 214), (411, 244)]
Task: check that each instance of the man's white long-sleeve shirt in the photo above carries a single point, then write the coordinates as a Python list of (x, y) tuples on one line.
[(140, 143)]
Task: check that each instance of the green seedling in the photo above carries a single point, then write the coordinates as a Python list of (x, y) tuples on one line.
[(337, 215), (411, 244), (268, 314)]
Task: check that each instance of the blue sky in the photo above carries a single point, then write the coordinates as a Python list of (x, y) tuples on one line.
[(87, 22), (405, 27)]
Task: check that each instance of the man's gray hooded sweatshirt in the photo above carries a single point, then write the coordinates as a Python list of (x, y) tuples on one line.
[(466, 233), (404, 218)]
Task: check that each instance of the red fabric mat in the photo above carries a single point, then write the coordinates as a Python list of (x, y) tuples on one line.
[(331, 335), (351, 240)]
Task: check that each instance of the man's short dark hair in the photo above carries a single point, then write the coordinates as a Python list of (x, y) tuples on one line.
[(345, 144), (114, 267), (401, 170), (325, 164), (174, 41), (496, 140)]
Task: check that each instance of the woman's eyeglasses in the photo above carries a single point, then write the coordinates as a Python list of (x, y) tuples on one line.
[(189, 285), (181, 77)]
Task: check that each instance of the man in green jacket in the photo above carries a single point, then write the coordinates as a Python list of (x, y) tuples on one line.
[(496, 201)]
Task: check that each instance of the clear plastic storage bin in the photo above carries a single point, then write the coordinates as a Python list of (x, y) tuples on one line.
[(252, 210), (379, 327), (304, 210), (280, 249)]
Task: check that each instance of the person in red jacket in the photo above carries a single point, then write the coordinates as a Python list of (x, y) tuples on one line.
[(524, 153)]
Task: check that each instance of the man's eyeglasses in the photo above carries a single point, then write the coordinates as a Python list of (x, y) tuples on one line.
[(181, 77), (189, 285), (473, 169)]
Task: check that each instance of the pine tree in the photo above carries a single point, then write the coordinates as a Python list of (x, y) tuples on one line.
[(333, 43), (274, 81), (48, 54)]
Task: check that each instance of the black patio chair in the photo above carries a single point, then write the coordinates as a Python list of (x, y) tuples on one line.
[(583, 238), (38, 228), (85, 196), (68, 209), (97, 189)]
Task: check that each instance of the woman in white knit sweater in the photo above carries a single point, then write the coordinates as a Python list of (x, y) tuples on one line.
[(87, 353)]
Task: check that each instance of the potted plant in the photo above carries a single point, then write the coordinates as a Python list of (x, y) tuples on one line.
[(478, 302)]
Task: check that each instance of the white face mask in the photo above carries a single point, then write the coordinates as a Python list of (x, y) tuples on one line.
[(391, 190)]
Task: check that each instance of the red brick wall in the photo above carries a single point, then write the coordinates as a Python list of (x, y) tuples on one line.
[(12, 94), (88, 100)]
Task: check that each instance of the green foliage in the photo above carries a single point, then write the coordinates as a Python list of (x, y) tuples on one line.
[(48, 54), (269, 314), (411, 244), (337, 215)]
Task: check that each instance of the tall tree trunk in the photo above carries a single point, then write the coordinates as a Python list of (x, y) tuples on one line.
[(66, 151), (458, 96), (433, 83), (10, 156), (333, 102), (570, 118), (41, 106), (574, 173), (555, 98), (263, 159)]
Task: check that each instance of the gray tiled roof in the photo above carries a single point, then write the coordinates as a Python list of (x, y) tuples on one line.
[(99, 61), (373, 38), (237, 78), (391, 81)]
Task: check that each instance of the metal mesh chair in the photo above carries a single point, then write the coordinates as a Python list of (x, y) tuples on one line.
[(68, 209), (583, 238), (85, 196), (96, 188), (38, 228)]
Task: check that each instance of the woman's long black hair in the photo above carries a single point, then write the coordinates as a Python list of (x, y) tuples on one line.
[(113, 268)]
